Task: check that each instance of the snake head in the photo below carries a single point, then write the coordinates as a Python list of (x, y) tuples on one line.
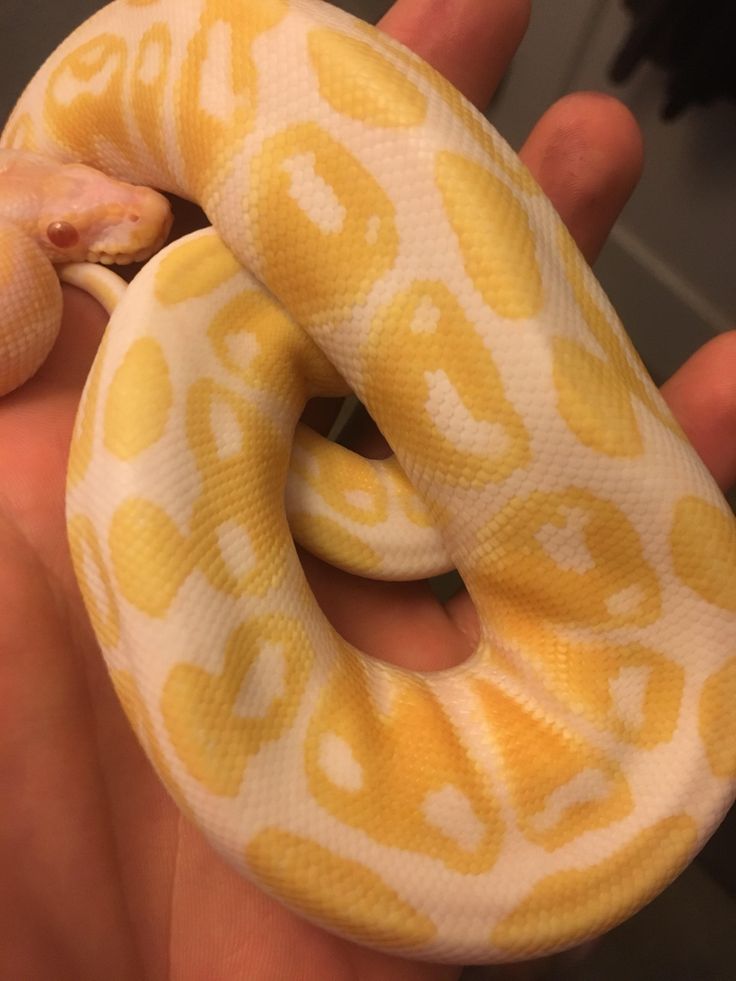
[(76, 213), (86, 216)]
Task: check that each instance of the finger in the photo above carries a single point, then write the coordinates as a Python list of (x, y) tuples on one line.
[(702, 395), (586, 153), (471, 43)]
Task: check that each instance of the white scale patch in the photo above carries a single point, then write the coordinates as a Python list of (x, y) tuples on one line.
[(152, 66), (66, 87), (313, 194), (242, 348), (213, 99), (566, 544), (91, 575), (450, 811), (263, 684), (628, 691), (236, 549), (372, 230), (587, 786), (426, 317), (338, 763), (226, 429), (626, 602), (451, 417), (359, 499)]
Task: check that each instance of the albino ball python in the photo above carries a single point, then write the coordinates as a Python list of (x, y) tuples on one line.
[(551, 785)]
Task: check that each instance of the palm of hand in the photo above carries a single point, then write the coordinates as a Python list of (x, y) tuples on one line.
[(104, 870)]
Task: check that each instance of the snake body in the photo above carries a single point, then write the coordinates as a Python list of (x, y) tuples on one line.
[(371, 230)]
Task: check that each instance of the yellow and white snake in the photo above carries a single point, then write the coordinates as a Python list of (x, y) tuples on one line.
[(545, 789)]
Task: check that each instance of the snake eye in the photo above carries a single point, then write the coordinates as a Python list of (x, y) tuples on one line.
[(62, 234)]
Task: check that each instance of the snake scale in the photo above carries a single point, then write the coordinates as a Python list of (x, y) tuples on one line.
[(372, 232)]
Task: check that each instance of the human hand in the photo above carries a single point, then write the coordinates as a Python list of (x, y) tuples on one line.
[(102, 876)]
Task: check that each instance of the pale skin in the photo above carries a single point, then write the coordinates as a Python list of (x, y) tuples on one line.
[(101, 875)]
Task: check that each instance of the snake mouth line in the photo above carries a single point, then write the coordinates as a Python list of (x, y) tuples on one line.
[(127, 258)]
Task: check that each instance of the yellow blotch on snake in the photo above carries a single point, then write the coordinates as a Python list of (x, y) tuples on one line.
[(494, 234), (350, 896), (569, 906), (446, 350), (236, 505), (354, 232), (522, 565), (150, 556), (400, 781), (718, 718), (342, 63), (88, 84), (205, 139), (149, 86), (88, 567), (194, 269), (595, 393), (540, 760), (139, 400), (703, 542), (212, 728)]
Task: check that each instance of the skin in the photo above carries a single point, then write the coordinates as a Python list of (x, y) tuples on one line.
[(101, 876)]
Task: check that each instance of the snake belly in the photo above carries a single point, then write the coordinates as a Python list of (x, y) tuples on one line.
[(536, 795)]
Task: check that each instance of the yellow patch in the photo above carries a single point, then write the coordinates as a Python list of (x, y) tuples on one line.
[(409, 396), (347, 482), (336, 251), (482, 211), (345, 894), (413, 507), (560, 785), (499, 154), (88, 85), (151, 73), (194, 269), (718, 720), (255, 339), (139, 400), (703, 543), (407, 766), (568, 907), (211, 724), (578, 373), (595, 401), (94, 581), (328, 540), (359, 82), (150, 557), (565, 558), (627, 690), (215, 96), (238, 523)]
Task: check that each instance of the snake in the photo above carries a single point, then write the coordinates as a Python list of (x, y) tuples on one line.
[(370, 233)]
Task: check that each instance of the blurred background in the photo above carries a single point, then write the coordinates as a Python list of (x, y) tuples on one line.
[(670, 270)]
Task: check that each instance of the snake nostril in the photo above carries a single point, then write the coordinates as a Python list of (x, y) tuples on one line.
[(133, 218), (62, 234)]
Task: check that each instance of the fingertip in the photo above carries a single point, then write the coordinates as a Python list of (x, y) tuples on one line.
[(468, 42), (587, 154), (702, 396)]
